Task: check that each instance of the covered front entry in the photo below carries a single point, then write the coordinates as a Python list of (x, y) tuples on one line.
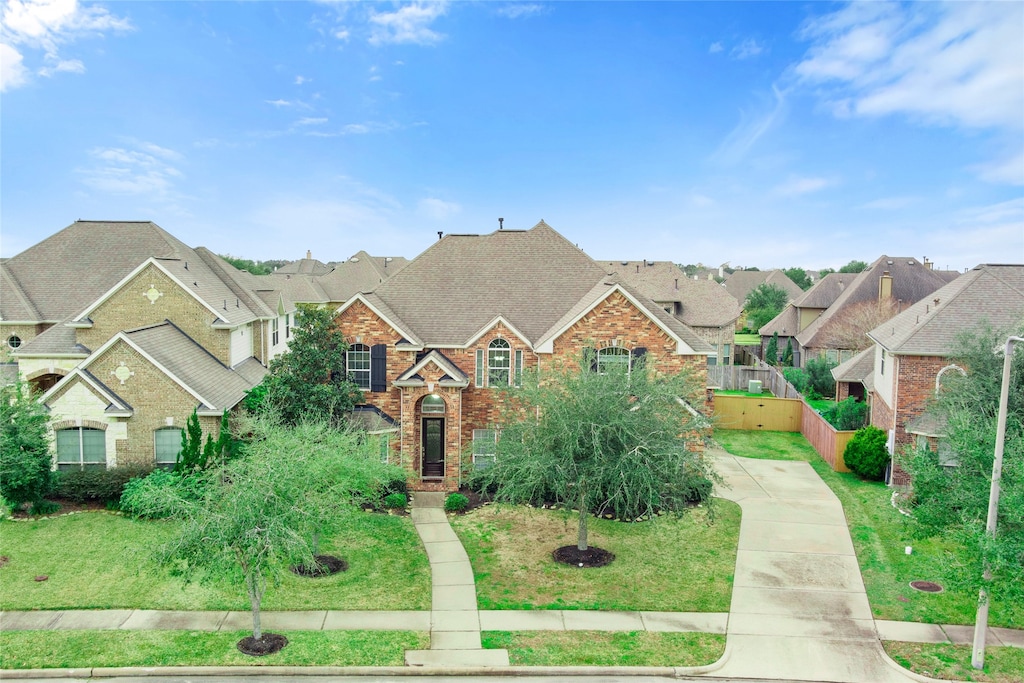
[(433, 448)]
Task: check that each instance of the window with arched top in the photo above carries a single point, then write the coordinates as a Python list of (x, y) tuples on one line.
[(358, 363), (499, 363), (612, 357), (432, 405)]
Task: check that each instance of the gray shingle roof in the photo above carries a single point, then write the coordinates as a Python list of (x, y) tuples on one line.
[(220, 387), (705, 303), (856, 369), (911, 282), (360, 273), (58, 340), (786, 323), (741, 282), (992, 294), (825, 291)]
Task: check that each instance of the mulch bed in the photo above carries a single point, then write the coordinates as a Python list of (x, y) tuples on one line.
[(591, 557), (267, 645), (325, 566)]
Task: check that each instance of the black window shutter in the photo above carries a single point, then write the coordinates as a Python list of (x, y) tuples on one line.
[(378, 367), (590, 355), (639, 355)]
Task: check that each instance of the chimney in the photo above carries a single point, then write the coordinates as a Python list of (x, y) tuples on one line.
[(309, 254), (928, 264), (885, 286)]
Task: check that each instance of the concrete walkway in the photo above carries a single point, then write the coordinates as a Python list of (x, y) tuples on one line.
[(799, 608)]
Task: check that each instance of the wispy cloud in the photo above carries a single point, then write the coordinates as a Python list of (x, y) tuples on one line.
[(44, 26), (299, 80), (891, 203), (1008, 170), (747, 49), (715, 47), (137, 168), (797, 186), (751, 127), (408, 24), (519, 10), (975, 232), (311, 121), (437, 209), (356, 129), (950, 64)]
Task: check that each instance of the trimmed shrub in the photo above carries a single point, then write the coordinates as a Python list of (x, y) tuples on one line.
[(141, 489), (847, 415), (866, 454), (396, 501), (96, 484), (700, 490), (456, 502)]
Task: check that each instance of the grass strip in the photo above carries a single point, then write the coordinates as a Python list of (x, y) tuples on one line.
[(101, 561), (880, 536), (73, 649), (953, 662), (601, 648), (667, 564)]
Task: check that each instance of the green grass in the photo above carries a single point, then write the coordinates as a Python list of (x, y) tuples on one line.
[(751, 339), (599, 648), (880, 534), (953, 662), (101, 561), (820, 404), (669, 564), (74, 649)]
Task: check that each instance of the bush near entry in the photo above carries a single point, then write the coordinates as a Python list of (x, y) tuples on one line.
[(866, 453)]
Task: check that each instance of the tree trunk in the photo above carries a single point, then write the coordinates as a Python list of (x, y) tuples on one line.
[(316, 545), (581, 538), (255, 585)]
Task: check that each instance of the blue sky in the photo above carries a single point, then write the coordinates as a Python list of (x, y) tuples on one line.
[(760, 134)]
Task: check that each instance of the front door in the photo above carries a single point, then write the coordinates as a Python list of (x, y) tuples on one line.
[(433, 447)]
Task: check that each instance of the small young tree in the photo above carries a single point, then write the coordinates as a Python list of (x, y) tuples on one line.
[(308, 382), (612, 440), (763, 303), (771, 354), (25, 461), (787, 355)]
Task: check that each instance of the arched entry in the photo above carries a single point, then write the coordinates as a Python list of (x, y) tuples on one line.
[(432, 416)]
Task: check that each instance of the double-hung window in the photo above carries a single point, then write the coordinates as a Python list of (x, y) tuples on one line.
[(274, 334), (484, 447), (167, 443), (81, 448), (358, 359), (499, 363)]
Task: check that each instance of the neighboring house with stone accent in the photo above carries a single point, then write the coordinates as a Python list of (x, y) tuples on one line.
[(703, 305), (122, 331), (432, 344), (910, 354)]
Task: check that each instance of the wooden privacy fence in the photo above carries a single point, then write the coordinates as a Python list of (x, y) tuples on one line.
[(784, 415), (737, 378)]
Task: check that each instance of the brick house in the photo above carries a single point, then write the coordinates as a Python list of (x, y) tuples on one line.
[(122, 331), (430, 345), (910, 353)]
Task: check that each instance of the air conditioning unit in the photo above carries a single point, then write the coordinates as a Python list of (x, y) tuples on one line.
[(754, 386)]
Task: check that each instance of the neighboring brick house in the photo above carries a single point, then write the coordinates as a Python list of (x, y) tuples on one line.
[(902, 281), (703, 305), (910, 353), (431, 344), (123, 331)]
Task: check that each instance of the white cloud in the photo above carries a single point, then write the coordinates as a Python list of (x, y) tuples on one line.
[(519, 10), (408, 24), (750, 129), (715, 47), (139, 168), (747, 49), (891, 203), (975, 233), (45, 25), (1008, 171), (299, 80), (12, 70), (437, 209), (341, 34), (800, 186), (309, 121), (948, 64)]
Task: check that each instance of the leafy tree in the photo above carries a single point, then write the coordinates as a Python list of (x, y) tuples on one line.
[(787, 354), (849, 328), (950, 496), (763, 303), (250, 518), (308, 382), (848, 414), (800, 277), (254, 267), (772, 352), (814, 380), (825, 271), (197, 455), (867, 454), (854, 267), (598, 442), (25, 461)]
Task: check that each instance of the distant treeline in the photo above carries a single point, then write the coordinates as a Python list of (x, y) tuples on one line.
[(254, 267)]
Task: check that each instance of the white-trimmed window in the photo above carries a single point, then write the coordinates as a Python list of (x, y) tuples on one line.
[(499, 363), (287, 325), (484, 447), (81, 448), (432, 405), (726, 354), (167, 444), (358, 360), (612, 357), (274, 334), (14, 341)]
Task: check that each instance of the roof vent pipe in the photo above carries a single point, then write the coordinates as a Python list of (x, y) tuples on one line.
[(677, 283), (440, 234), (501, 224)]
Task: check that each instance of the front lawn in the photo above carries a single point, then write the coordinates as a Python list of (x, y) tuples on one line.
[(83, 649), (601, 648), (880, 535), (669, 564), (102, 561), (953, 662)]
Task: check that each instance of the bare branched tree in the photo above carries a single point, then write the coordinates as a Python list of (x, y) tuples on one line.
[(849, 328)]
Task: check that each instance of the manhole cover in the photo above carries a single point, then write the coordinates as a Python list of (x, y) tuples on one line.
[(926, 586)]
